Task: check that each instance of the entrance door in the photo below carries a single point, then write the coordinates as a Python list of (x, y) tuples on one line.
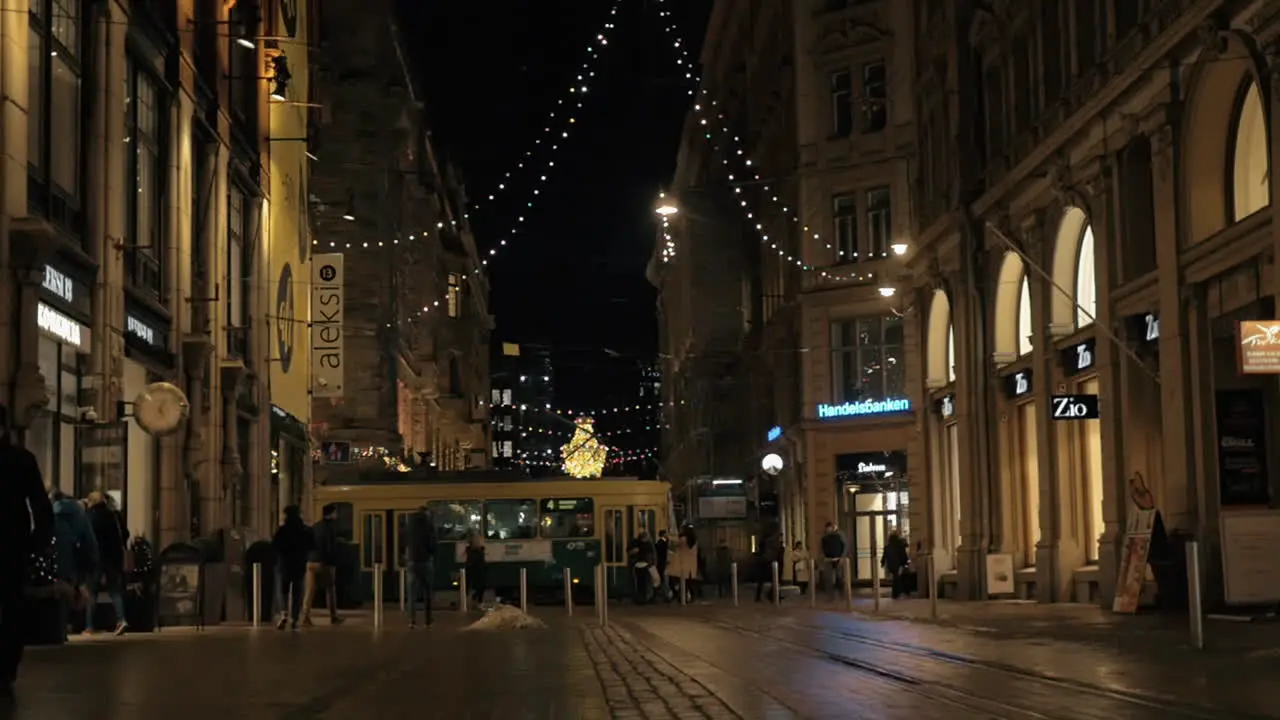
[(617, 534)]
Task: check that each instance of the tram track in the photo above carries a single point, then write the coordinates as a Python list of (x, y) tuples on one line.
[(1125, 701)]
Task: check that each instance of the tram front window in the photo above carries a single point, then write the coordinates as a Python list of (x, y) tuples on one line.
[(511, 519), (568, 518)]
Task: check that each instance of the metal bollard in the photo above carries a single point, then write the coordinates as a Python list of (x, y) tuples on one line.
[(524, 590), (931, 568), (1193, 594), (683, 590), (875, 583), (464, 598), (377, 595), (257, 594), (568, 592), (847, 567), (404, 588), (733, 581), (604, 593), (777, 594), (599, 583), (813, 584)]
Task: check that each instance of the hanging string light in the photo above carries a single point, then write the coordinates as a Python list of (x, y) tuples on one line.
[(549, 142), (682, 57)]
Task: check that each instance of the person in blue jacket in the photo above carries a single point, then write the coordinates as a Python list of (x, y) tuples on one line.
[(77, 547)]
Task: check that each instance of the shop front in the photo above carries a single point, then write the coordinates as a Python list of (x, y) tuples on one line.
[(875, 503), (147, 360), (63, 313), (1020, 465), (289, 460)]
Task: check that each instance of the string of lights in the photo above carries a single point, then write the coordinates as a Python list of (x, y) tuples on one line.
[(567, 412), (682, 58), (555, 131), (599, 433)]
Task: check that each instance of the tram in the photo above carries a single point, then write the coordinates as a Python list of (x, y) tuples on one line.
[(546, 526)]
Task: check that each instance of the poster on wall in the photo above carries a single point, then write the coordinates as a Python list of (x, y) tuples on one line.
[(1000, 574), (327, 332), (1259, 347), (1242, 455), (1250, 573), (1139, 530)]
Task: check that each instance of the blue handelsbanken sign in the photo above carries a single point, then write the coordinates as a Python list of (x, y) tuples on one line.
[(775, 432), (866, 407)]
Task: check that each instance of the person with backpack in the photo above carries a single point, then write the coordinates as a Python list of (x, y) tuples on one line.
[(322, 566), (292, 544), (421, 559), (109, 529), (77, 551)]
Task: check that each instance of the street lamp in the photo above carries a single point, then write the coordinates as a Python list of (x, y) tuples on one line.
[(899, 248), (888, 291)]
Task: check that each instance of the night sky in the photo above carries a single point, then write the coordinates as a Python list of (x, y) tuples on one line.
[(492, 72)]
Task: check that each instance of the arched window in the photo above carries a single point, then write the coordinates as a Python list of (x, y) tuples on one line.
[(1086, 281), (1250, 181), (1024, 318), (951, 353)]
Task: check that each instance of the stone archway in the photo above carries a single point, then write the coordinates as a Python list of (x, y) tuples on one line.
[(1012, 313), (1075, 295), (1225, 119), (940, 343)]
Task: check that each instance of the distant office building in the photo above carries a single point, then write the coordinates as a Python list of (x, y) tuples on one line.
[(525, 430)]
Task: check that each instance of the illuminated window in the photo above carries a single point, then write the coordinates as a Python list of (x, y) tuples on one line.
[(1086, 281), (1251, 183), (454, 295), (1024, 318), (866, 359)]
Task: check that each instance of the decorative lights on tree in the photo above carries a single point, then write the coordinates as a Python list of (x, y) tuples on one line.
[(583, 456)]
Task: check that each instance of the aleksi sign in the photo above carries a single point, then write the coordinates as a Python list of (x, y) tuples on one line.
[(59, 284), (1073, 407), (327, 332), (60, 327), (866, 407), (140, 330)]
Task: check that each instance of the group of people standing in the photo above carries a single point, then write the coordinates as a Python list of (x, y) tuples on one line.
[(662, 567)]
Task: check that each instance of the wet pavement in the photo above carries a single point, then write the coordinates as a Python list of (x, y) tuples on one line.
[(705, 662)]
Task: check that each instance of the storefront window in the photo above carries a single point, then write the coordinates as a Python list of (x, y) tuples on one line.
[(866, 359), (1029, 481), (52, 436), (1092, 447)]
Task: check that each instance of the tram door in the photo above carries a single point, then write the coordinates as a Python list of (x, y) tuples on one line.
[(373, 550), (617, 535)]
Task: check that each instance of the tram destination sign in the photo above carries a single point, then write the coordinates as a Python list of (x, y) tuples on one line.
[(1073, 407)]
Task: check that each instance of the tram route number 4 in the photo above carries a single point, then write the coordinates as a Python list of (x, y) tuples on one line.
[(1074, 407)]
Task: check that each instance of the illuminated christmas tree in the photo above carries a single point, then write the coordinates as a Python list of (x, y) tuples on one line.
[(583, 456)]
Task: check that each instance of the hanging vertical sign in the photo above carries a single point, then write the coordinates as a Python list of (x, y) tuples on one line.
[(327, 332)]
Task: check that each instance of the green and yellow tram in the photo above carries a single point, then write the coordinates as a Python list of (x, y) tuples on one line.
[(545, 526)]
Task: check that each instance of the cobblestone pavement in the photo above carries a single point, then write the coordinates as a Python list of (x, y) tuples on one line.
[(1053, 677)]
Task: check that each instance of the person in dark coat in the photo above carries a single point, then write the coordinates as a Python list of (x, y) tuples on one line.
[(421, 557), (77, 550), (26, 525), (895, 560), (292, 545), (771, 551), (477, 568), (109, 529), (322, 565), (662, 550)]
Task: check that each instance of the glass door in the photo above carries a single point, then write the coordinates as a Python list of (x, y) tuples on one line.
[(373, 550), (617, 535)]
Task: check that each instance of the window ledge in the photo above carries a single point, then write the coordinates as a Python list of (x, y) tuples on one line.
[(1087, 572)]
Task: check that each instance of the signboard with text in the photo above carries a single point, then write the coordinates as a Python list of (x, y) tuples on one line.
[(1073, 407), (1259, 347), (327, 331)]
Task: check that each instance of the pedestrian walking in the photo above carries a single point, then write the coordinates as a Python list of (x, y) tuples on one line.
[(292, 544), (26, 526), (724, 568), (662, 552), (477, 568), (644, 571), (684, 563), (800, 566), (832, 554), (113, 559), (771, 551), (322, 564), (422, 553), (895, 562), (77, 548)]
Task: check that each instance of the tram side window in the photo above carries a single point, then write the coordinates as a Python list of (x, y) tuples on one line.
[(568, 518), (511, 520), (455, 519)]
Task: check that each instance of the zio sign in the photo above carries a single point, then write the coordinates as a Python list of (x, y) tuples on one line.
[(1073, 407)]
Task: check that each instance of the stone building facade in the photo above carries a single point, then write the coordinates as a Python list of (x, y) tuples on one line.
[(1096, 219), (792, 198), (415, 324)]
